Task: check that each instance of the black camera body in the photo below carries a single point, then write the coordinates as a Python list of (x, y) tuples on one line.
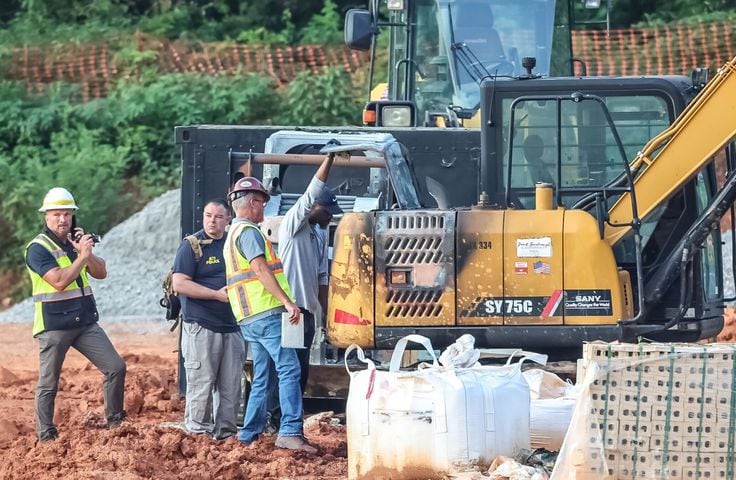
[(78, 236), (95, 238)]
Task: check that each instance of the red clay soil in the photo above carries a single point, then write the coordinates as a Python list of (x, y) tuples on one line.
[(141, 447)]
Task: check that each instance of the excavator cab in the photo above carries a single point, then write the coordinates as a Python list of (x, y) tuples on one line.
[(660, 213)]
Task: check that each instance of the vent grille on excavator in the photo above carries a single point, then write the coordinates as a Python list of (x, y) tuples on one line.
[(415, 243)]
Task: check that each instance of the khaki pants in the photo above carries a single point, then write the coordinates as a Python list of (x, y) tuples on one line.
[(214, 364), (92, 342)]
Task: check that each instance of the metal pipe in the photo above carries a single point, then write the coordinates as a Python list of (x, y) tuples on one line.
[(308, 159), (558, 197), (507, 193), (371, 66), (730, 163), (543, 193)]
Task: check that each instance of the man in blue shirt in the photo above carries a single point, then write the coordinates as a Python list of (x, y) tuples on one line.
[(211, 343), (303, 249)]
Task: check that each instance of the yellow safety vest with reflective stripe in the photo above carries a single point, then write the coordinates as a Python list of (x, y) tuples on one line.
[(45, 292), (246, 293)]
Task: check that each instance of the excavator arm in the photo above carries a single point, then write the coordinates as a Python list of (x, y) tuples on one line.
[(676, 155)]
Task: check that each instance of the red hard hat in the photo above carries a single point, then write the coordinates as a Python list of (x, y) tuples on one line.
[(245, 185)]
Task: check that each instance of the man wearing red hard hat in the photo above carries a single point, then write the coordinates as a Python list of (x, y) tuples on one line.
[(259, 293)]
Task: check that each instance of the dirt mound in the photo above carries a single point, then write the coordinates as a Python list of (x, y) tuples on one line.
[(147, 445)]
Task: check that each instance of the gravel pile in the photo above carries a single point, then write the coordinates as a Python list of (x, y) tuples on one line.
[(139, 252)]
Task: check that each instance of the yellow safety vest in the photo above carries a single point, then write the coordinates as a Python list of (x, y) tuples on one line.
[(246, 293), (44, 292)]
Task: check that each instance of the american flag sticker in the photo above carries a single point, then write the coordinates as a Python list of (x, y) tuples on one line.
[(542, 267), (521, 267)]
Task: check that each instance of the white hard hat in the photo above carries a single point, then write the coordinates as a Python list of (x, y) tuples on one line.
[(58, 199)]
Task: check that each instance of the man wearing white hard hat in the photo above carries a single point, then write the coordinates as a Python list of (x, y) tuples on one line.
[(59, 262)]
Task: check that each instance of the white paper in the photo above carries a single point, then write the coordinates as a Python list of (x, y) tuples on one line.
[(534, 247), (292, 336)]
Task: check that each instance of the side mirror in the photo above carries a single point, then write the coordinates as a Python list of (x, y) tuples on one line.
[(358, 29)]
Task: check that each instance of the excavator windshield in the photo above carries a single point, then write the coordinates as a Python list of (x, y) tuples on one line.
[(589, 154), (456, 43)]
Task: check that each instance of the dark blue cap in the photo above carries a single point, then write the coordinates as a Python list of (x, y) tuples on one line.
[(328, 200)]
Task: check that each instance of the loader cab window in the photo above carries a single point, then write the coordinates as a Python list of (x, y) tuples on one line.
[(589, 156), (487, 38), (433, 87), (425, 61)]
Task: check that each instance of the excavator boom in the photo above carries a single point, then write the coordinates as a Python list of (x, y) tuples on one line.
[(676, 155)]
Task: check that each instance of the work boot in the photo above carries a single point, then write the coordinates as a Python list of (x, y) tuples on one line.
[(116, 420), (49, 437), (296, 442), (272, 428)]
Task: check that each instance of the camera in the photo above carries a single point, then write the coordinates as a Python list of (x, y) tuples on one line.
[(95, 238), (78, 236)]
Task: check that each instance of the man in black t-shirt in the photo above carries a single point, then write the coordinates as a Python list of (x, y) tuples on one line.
[(211, 343), (60, 261)]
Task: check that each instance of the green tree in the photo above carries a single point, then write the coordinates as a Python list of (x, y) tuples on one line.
[(39, 21), (626, 13), (327, 99), (325, 27)]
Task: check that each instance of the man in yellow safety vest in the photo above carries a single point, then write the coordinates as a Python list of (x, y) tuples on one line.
[(259, 293), (59, 261)]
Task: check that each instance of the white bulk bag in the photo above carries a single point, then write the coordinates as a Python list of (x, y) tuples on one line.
[(433, 421), (553, 401), (549, 420)]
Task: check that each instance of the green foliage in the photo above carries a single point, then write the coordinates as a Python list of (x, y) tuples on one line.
[(322, 28), (261, 35), (627, 13), (44, 21), (132, 58), (66, 11), (328, 99), (325, 27), (656, 19), (169, 24), (116, 153), (689, 11)]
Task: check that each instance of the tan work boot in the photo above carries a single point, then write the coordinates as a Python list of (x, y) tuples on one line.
[(295, 443)]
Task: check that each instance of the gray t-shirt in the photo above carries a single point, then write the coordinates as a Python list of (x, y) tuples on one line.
[(303, 249), (251, 245)]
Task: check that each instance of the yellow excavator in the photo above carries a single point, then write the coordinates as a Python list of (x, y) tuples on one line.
[(568, 241), (534, 231)]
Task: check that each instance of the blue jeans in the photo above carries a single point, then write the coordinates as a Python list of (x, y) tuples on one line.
[(264, 336), (274, 411)]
